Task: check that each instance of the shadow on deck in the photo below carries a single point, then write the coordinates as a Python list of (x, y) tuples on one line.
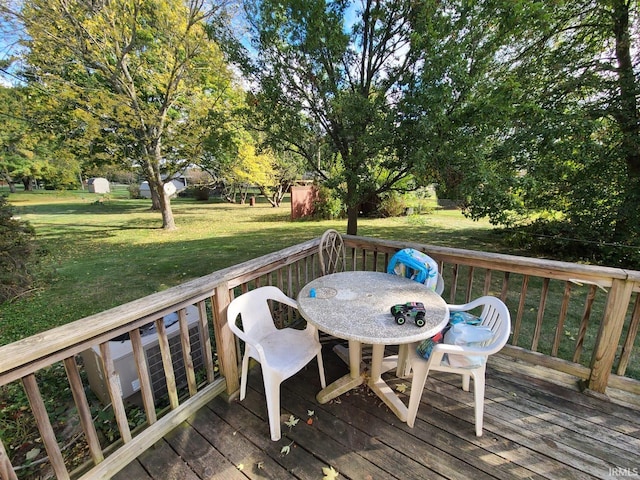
[(532, 429)]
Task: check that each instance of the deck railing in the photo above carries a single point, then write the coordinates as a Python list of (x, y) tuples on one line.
[(577, 319)]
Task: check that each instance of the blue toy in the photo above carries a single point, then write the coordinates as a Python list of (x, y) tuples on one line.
[(415, 265)]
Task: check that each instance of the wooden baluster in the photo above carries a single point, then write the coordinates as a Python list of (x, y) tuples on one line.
[(44, 427), (454, 284), (186, 352), (505, 287), (487, 283), (543, 302), (582, 331), (564, 308), (632, 332), (206, 341), (143, 376), (167, 363), (115, 392), (467, 295), (6, 469), (521, 307), (84, 411)]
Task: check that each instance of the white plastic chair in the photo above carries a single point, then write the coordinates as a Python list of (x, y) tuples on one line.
[(281, 352), (332, 253), (439, 285), (495, 315)]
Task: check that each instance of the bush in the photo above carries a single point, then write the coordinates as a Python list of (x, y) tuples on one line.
[(328, 206), (16, 251), (134, 191), (574, 243), (392, 205)]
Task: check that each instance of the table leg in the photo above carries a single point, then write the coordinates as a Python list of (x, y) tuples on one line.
[(403, 369), (353, 379), (381, 389)]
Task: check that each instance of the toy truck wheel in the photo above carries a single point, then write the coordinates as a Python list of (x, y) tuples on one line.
[(400, 319), (420, 320)]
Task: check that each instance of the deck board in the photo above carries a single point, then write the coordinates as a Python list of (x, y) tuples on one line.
[(533, 429)]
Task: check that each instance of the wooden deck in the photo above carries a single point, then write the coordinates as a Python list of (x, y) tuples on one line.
[(532, 429)]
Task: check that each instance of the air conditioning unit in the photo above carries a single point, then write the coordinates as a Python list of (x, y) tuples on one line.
[(125, 367)]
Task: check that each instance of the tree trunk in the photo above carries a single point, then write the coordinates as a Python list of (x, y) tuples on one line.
[(158, 194), (628, 119), (352, 220)]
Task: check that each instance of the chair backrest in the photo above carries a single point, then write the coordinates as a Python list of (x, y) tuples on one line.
[(253, 308), (496, 316), (332, 253)]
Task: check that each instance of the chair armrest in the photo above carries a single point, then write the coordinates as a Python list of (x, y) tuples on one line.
[(462, 350)]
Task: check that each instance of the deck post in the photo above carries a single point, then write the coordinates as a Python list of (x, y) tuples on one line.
[(606, 346), (225, 340)]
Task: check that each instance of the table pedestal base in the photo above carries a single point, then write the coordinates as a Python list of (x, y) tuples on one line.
[(361, 373)]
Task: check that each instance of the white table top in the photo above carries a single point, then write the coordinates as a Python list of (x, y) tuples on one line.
[(357, 306)]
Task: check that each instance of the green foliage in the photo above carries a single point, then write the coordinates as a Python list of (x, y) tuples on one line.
[(16, 253), (568, 152), (141, 82), (328, 205), (352, 128), (134, 191), (392, 205)]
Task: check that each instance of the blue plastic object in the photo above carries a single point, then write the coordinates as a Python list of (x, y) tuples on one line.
[(415, 265)]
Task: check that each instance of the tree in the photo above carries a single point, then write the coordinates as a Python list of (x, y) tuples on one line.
[(146, 68), (569, 152), (319, 78), (32, 146)]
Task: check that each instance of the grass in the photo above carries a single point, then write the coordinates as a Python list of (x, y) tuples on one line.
[(100, 251)]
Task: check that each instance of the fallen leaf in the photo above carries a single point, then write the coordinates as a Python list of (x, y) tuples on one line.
[(31, 454), (329, 473), (285, 450), (402, 388), (311, 413), (260, 465), (292, 422), (309, 421), (241, 467)]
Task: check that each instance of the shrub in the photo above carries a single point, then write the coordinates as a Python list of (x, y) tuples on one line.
[(328, 206), (392, 205), (16, 251), (134, 191)]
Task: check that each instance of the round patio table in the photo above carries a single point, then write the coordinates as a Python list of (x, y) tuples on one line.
[(356, 306)]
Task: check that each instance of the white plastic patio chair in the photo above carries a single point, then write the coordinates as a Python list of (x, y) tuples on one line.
[(281, 352), (332, 253), (495, 315)]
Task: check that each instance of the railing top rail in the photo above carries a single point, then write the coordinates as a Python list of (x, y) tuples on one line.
[(89, 329), (506, 262)]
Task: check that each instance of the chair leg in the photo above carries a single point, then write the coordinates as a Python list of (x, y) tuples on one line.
[(478, 393), (465, 381), (272, 394), (243, 376), (323, 381), (420, 372)]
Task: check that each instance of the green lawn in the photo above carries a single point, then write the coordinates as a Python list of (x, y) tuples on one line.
[(98, 254)]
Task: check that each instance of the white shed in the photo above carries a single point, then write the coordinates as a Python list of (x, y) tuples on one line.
[(145, 192), (98, 185)]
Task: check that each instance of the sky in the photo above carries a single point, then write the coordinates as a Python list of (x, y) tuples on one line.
[(9, 36)]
